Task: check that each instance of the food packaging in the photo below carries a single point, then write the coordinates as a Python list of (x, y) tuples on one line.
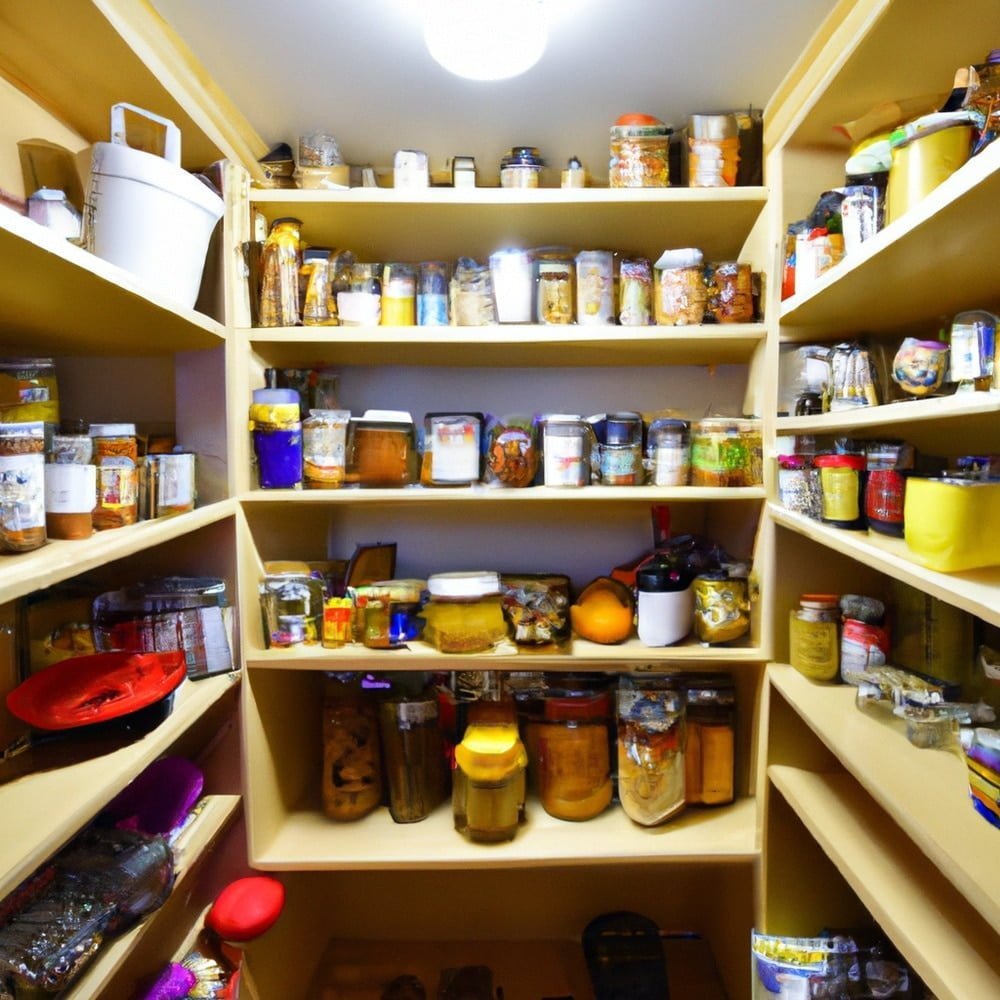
[(952, 525)]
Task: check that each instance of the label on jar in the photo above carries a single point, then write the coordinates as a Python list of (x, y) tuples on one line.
[(619, 464), (22, 492), (455, 451), (70, 489), (841, 494), (117, 484), (175, 481), (564, 464)]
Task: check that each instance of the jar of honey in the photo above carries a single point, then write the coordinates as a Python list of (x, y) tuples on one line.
[(382, 449)]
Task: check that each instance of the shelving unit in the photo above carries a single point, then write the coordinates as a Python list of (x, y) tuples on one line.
[(884, 829)]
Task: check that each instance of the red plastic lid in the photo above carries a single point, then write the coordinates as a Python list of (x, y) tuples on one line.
[(578, 707), (246, 908), (83, 690), (840, 461)]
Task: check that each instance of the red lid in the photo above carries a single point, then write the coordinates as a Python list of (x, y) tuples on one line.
[(840, 461), (578, 707), (246, 908)]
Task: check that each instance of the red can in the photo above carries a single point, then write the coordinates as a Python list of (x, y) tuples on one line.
[(884, 495)]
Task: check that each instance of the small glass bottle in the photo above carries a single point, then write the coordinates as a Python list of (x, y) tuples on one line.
[(813, 641), (413, 756), (281, 261)]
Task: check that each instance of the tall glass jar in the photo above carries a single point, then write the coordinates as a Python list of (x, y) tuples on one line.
[(595, 287), (414, 758), (22, 486), (116, 455), (351, 782), (710, 753), (324, 448), (635, 293), (556, 293), (281, 262)]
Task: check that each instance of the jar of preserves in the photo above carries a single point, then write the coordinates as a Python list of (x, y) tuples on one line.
[(556, 294), (352, 768), (413, 756), (668, 452), (813, 642), (651, 737), (489, 778), (635, 293), (566, 447), (574, 766), (281, 260), (640, 147), (277, 438), (730, 292), (726, 452), (841, 480), (595, 287), (451, 449), (710, 752), (511, 451), (324, 448), (382, 449), (680, 293), (22, 486), (399, 295), (464, 612), (116, 455)]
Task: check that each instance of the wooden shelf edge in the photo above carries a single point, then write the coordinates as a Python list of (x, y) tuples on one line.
[(922, 913)]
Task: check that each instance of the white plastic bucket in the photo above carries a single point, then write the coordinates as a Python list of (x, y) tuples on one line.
[(147, 214)]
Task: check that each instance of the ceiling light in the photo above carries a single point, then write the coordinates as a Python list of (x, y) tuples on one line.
[(486, 39)]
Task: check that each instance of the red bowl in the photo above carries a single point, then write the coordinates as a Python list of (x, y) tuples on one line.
[(84, 690)]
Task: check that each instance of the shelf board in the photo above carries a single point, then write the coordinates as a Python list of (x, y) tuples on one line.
[(444, 222), (309, 840), (571, 656), (24, 572), (59, 299), (912, 903), (918, 268), (194, 843), (509, 346), (976, 591), (52, 805), (926, 792)]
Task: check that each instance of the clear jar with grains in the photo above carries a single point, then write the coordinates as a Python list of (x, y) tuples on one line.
[(595, 287), (635, 288), (22, 486)]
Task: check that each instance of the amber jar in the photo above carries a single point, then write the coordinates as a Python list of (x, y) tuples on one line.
[(116, 455), (352, 773), (382, 449), (22, 486), (710, 754), (413, 756), (574, 764)]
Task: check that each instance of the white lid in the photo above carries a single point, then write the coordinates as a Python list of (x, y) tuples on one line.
[(388, 416), (688, 257), (272, 397), (112, 430), (474, 583)]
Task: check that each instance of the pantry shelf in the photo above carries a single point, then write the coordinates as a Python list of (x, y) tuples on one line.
[(123, 316), (51, 805), (306, 839), (508, 346), (975, 591), (56, 561), (911, 902), (926, 792)]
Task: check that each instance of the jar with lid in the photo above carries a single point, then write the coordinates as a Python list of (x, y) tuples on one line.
[(574, 764), (451, 449), (651, 738), (556, 294), (489, 777), (361, 303), (841, 480), (798, 485), (471, 294), (511, 451), (399, 295), (668, 452), (432, 293), (22, 486), (566, 446), (116, 455), (72, 443), (351, 784), (521, 167), (277, 438), (635, 293), (640, 148), (813, 641), (664, 604), (726, 452), (413, 755), (620, 448), (464, 611), (885, 499), (381, 449), (170, 483), (70, 497), (281, 261), (721, 607), (680, 293), (29, 391), (595, 287), (324, 448), (730, 292), (291, 609), (710, 752)]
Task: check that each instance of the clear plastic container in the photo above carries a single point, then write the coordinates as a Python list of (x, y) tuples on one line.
[(595, 287), (513, 277), (399, 295), (668, 452), (324, 448), (451, 449), (566, 446), (281, 261), (680, 293), (22, 486), (432, 293)]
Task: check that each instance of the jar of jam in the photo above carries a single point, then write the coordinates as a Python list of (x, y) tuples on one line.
[(22, 486), (842, 483), (116, 455)]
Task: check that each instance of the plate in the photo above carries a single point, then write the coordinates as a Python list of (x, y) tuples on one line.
[(84, 690)]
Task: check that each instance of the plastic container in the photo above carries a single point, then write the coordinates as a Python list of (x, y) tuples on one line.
[(555, 303), (70, 497), (432, 293), (713, 150), (730, 292), (921, 162), (710, 751), (664, 606), (595, 287), (147, 214), (680, 294), (351, 783), (116, 455), (620, 449), (513, 277), (566, 440), (842, 485), (953, 525), (277, 438), (361, 303), (639, 153), (451, 449), (382, 449), (635, 293), (324, 448), (22, 486), (726, 451), (464, 612)]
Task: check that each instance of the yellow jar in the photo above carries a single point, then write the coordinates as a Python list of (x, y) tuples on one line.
[(813, 643)]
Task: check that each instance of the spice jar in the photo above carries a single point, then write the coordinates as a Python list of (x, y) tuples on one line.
[(413, 756), (511, 451), (170, 483), (813, 647), (798, 485), (565, 450), (382, 449), (651, 736), (574, 765), (668, 452), (70, 496), (721, 607), (432, 293), (710, 751), (680, 293), (639, 149), (730, 292), (22, 486), (620, 449), (277, 438), (116, 455), (352, 768), (281, 260), (464, 612), (595, 287), (324, 448), (841, 482), (556, 294), (726, 452), (399, 295), (488, 781), (635, 293), (451, 449)]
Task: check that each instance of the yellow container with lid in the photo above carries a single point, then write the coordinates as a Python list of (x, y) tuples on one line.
[(951, 525), (465, 612), (921, 162)]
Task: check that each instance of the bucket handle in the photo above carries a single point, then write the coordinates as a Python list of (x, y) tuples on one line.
[(172, 140)]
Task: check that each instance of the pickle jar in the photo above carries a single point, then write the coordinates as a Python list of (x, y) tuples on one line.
[(574, 764), (413, 756), (116, 455), (451, 449), (489, 777), (351, 782), (22, 486), (710, 752)]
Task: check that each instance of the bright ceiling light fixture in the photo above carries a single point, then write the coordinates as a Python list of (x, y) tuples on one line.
[(486, 39)]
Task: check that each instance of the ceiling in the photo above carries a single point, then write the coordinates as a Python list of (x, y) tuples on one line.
[(361, 72)]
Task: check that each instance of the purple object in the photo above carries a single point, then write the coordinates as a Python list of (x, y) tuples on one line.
[(159, 799), (173, 983)]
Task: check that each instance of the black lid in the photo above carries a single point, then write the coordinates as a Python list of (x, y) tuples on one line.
[(662, 579)]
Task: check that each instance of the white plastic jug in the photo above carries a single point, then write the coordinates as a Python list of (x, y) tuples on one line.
[(147, 214)]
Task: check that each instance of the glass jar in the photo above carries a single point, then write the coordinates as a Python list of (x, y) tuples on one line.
[(29, 391), (730, 292), (324, 448), (556, 294), (574, 765), (464, 612), (651, 736), (620, 449), (726, 452), (798, 485), (635, 293), (595, 287), (710, 751), (319, 303), (668, 452), (813, 643), (639, 155), (489, 778), (70, 496), (22, 486), (72, 443), (471, 294), (713, 150), (521, 168), (413, 756), (721, 607), (841, 482), (291, 609), (511, 451), (170, 484), (351, 784), (680, 293), (116, 455), (382, 449), (512, 272), (565, 450), (281, 261), (338, 613), (361, 303), (277, 438), (451, 449), (399, 295), (432, 293)]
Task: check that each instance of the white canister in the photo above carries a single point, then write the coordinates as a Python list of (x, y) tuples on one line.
[(664, 607)]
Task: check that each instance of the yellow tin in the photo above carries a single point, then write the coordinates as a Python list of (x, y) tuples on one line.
[(953, 524)]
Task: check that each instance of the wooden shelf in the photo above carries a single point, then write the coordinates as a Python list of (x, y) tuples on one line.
[(308, 840), (445, 222), (975, 591), (953, 952), (60, 299), (509, 346), (52, 805), (926, 792), (56, 561)]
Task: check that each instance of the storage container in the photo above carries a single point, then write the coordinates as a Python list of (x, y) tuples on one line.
[(381, 449), (921, 162), (464, 613), (953, 524)]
